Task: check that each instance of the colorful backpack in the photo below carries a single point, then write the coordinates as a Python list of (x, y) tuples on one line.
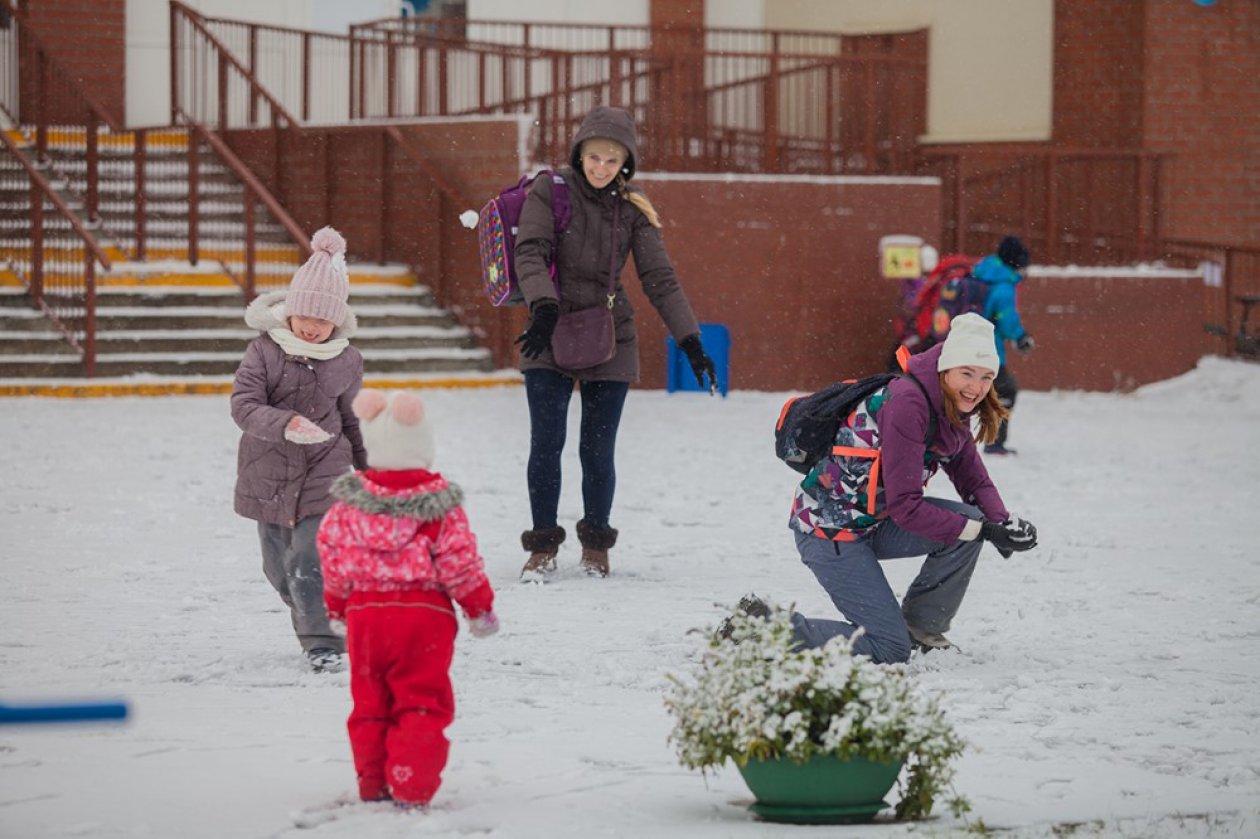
[(920, 304), (497, 226), (807, 426), (958, 295)]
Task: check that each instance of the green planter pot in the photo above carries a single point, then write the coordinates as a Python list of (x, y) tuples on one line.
[(823, 790)]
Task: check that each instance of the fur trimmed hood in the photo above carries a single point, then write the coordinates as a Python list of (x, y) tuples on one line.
[(267, 311), (428, 502)]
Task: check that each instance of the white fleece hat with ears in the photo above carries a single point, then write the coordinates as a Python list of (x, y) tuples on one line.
[(397, 430), (969, 344)]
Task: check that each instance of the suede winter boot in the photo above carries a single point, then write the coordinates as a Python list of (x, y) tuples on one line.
[(543, 544), (595, 544)]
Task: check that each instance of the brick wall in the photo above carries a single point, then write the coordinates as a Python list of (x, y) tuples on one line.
[(1203, 104), (1113, 329), (1098, 69), (88, 38), (790, 265), (1170, 76)]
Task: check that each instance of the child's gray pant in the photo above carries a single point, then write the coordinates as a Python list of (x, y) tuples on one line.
[(291, 563), (850, 574)]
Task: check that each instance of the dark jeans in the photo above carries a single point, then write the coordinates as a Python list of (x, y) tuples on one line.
[(1007, 388), (548, 393)]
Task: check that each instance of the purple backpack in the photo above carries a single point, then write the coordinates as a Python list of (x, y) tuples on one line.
[(497, 226)]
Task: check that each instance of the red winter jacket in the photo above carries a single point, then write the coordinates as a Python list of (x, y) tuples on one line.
[(400, 531)]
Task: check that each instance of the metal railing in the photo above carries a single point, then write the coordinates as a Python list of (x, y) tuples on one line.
[(1071, 205), (54, 250), (742, 100), (1232, 301), (57, 263)]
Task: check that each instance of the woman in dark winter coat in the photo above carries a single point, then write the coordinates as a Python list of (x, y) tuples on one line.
[(610, 221), (844, 526), (292, 400)]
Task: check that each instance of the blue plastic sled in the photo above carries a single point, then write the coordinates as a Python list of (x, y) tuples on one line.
[(16, 714)]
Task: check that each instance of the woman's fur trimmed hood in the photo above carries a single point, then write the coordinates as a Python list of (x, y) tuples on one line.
[(425, 504), (267, 312)]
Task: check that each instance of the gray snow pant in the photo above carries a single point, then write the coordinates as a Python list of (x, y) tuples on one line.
[(291, 563), (850, 574)]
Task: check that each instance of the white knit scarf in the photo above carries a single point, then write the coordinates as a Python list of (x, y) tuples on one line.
[(293, 345)]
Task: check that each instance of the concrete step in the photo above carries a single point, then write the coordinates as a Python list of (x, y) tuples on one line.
[(57, 365)]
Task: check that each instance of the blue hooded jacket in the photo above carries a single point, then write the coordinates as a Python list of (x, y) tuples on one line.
[(999, 306)]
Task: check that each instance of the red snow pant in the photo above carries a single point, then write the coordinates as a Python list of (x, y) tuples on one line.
[(400, 646)]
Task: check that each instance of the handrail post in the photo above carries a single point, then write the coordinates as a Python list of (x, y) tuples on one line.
[(306, 77), (442, 81), (391, 76), (770, 159), (93, 168), (174, 58), (194, 190), (223, 92), (251, 280), (41, 108), (37, 244), (139, 158), (381, 226), (253, 72), (89, 314)]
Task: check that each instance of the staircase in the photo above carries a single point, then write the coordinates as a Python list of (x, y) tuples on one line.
[(164, 318)]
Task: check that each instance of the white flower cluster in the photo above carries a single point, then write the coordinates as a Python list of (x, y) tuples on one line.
[(754, 695)]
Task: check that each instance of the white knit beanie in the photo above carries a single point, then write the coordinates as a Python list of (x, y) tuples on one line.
[(321, 286), (397, 431), (969, 344)]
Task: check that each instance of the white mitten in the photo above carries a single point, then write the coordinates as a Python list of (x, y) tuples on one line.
[(302, 431), (484, 625)]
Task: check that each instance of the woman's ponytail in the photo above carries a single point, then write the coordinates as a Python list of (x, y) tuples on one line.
[(639, 200)]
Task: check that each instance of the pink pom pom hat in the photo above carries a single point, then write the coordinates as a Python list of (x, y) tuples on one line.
[(321, 287)]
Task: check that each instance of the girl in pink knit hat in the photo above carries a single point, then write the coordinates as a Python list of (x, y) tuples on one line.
[(292, 400)]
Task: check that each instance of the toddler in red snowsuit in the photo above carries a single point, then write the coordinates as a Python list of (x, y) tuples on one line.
[(395, 551)]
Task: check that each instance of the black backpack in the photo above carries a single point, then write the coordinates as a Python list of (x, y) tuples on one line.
[(807, 425)]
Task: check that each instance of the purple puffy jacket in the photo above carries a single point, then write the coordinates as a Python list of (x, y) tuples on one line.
[(279, 482)]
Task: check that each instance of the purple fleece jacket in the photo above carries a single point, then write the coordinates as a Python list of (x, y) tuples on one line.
[(903, 423)]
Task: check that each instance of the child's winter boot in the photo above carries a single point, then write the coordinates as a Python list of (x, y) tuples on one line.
[(595, 544), (543, 544)]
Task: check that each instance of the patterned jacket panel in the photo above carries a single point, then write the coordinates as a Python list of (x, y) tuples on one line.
[(379, 538), (844, 490), (882, 445)]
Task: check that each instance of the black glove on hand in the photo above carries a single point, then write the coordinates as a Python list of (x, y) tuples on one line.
[(699, 361), (1010, 536), (542, 324), (1025, 343)]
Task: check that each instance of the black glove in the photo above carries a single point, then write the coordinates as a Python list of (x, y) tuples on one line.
[(699, 361), (1010, 536), (542, 324), (1025, 343)]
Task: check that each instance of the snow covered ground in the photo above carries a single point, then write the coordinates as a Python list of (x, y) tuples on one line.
[(1110, 683)]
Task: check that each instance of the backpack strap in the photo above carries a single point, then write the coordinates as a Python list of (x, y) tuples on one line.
[(931, 432), (903, 361)]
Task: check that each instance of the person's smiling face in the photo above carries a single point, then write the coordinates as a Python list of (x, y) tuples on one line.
[(968, 386), (601, 161)]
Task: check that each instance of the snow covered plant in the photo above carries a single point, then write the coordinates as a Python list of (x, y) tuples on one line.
[(752, 696)]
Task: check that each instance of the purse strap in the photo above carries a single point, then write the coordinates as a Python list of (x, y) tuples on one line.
[(612, 258)]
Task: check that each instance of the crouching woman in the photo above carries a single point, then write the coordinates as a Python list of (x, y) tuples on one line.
[(864, 502)]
